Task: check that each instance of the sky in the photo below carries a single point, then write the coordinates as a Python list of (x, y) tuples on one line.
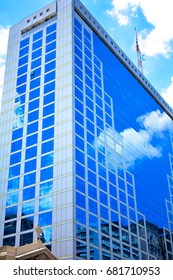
[(152, 19)]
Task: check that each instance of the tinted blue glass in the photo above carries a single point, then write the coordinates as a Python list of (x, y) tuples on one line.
[(51, 47), (78, 61), (32, 128), (93, 221), (80, 156), (17, 145), (11, 213), (79, 130), (78, 42), (29, 193), (49, 98), (78, 52), (33, 116), (45, 203), (14, 171), (31, 152), (103, 198), (19, 110), (79, 143), (29, 179), (79, 118), (91, 164), (78, 94), (92, 191), (47, 160), (24, 43), (80, 200), (38, 35), (10, 241), (48, 110), (104, 212), (35, 73), (24, 51), (49, 77), (50, 56), (37, 45), (26, 238), (78, 33), (36, 63), (91, 151), (13, 184), (34, 93), (49, 87), (45, 219), (23, 60), (22, 70), (80, 184), (81, 216), (35, 83), (31, 140), (89, 115), (87, 52), (47, 147), (50, 66), (36, 54), (27, 208), (93, 206), (30, 165), (48, 133), (80, 170), (48, 121), (14, 158), (10, 227), (51, 28), (88, 72), (88, 62), (90, 138), (50, 37), (91, 177), (90, 126), (87, 34), (12, 198), (27, 223), (102, 184), (89, 92), (20, 100), (33, 105), (78, 72), (77, 24), (46, 188)]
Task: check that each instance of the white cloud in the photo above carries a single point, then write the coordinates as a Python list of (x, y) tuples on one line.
[(168, 94), (3, 49), (158, 13)]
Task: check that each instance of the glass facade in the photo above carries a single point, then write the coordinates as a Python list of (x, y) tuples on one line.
[(87, 150)]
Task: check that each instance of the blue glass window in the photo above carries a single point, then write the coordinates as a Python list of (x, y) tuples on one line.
[(89, 92), (27, 223), (28, 208), (77, 24), (35, 83), (31, 140), (47, 147), (45, 219), (50, 66), (22, 70), (88, 72), (24, 51), (91, 164), (79, 94), (36, 54), (90, 138), (48, 133), (20, 100), (49, 77), (103, 198), (87, 34), (90, 126), (79, 117), (87, 43), (19, 110), (47, 160), (50, 56), (80, 185), (78, 33), (29, 179), (91, 151), (80, 200), (87, 52), (31, 152), (81, 216), (17, 145), (78, 72), (80, 170), (11, 213), (51, 28), (89, 115), (92, 206), (80, 156), (37, 44), (26, 238), (99, 112), (79, 143), (49, 98), (45, 203), (32, 128), (12, 198), (24, 42), (23, 60), (13, 184), (33, 105), (37, 35), (36, 63), (88, 62), (33, 116), (78, 62), (29, 193), (79, 130), (46, 188), (92, 191), (113, 204), (51, 47), (49, 87), (102, 184), (10, 227), (50, 37), (91, 177), (104, 212), (10, 241), (78, 42), (93, 222), (48, 121), (34, 94), (35, 73), (14, 171), (30, 165), (14, 158), (78, 52)]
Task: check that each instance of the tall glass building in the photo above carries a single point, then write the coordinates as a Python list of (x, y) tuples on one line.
[(85, 139)]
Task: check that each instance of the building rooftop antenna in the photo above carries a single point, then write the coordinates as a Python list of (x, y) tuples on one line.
[(139, 55)]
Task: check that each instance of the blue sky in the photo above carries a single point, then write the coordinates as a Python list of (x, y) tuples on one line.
[(153, 20)]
